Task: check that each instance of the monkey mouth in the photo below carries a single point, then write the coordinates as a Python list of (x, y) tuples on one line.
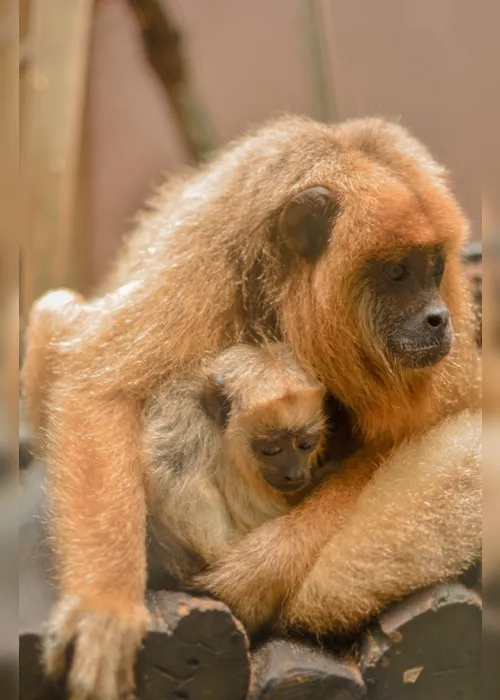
[(420, 356), (287, 487)]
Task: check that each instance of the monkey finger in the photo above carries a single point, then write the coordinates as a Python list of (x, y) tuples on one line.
[(59, 633), (103, 663), (122, 643)]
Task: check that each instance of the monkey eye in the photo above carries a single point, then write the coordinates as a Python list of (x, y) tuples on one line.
[(306, 445), (398, 272), (271, 450), (438, 267)]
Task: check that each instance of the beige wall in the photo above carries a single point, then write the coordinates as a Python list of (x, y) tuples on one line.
[(133, 138), (430, 62)]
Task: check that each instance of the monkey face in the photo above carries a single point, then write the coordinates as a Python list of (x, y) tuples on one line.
[(410, 318), (370, 291), (284, 460), (270, 412)]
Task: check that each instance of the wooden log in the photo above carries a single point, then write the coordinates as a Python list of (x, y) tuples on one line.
[(194, 650), (283, 669), (427, 647), (8, 680), (32, 683)]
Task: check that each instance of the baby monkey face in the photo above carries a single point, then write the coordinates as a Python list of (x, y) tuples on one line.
[(285, 459)]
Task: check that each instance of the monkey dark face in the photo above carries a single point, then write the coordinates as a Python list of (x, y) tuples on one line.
[(285, 459), (410, 317), (383, 282)]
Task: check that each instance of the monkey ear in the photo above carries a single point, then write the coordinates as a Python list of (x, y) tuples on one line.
[(215, 400), (306, 221)]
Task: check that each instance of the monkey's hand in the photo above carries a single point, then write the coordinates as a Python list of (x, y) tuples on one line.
[(418, 522), (105, 648)]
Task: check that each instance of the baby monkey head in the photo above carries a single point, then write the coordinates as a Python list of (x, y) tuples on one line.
[(271, 413), (284, 456)]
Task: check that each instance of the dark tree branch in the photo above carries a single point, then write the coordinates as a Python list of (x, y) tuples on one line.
[(164, 49)]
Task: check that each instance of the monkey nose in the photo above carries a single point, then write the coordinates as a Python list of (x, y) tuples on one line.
[(294, 477), (437, 319), (287, 481)]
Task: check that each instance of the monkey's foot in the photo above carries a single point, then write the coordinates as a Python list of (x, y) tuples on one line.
[(105, 648)]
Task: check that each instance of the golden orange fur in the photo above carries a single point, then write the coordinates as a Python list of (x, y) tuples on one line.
[(207, 268)]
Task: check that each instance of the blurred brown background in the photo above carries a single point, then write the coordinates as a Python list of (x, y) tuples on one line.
[(109, 130)]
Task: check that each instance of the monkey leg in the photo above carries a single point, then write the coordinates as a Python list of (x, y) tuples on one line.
[(419, 521), (97, 522), (269, 563)]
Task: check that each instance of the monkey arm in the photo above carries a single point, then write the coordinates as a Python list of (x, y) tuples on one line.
[(417, 522), (97, 522), (266, 566)]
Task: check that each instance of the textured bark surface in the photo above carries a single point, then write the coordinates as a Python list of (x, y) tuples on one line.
[(291, 670), (196, 650), (426, 647)]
